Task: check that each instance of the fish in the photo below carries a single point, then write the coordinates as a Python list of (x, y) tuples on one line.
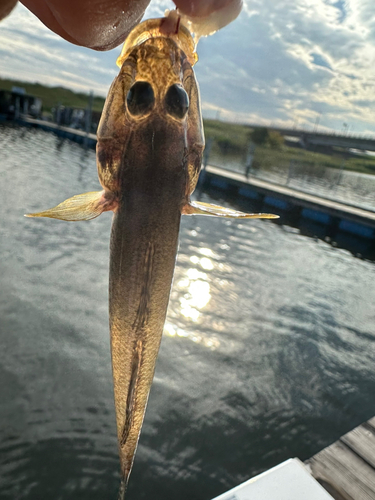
[(150, 142)]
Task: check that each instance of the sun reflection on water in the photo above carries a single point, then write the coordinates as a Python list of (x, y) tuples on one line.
[(198, 338), (196, 286), (197, 296), (197, 292), (194, 294)]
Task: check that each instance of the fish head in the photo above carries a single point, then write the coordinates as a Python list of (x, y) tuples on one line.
[(158, 88), (151, 124)]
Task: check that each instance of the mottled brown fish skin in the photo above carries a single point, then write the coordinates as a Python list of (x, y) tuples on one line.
[(143, 251), (152, 164)]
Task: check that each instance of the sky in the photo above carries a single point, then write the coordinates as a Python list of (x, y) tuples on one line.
[(301, 63)]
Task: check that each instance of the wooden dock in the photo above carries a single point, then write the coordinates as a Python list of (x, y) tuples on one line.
[(346, 469), (73, 134)]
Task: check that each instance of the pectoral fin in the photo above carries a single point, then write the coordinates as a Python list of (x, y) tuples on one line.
[(201, 208), (80, 207)]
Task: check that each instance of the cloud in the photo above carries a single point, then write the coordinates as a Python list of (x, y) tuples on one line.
[(278, 62), (304, 56), (29, 51)]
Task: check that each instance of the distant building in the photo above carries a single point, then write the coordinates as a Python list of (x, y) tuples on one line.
[(15, 102)]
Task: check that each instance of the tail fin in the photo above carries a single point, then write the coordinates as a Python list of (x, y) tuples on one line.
[(123, 487)]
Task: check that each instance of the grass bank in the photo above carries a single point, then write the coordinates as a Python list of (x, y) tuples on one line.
[(52, 96), (232, 141)]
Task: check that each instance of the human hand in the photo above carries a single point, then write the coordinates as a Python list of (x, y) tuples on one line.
[(102, 24), (6, 7)]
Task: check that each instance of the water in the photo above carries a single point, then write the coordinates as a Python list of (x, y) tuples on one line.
[(268, 351)]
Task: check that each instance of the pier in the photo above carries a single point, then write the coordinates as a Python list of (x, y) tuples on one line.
[(73, 134), (346, 469), (338, 216)]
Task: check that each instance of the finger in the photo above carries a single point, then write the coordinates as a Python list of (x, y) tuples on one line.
[(6, 7), (95, 24), (202, 8)]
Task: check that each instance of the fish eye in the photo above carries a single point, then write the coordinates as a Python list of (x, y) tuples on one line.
[(140, 98), (177, 101)]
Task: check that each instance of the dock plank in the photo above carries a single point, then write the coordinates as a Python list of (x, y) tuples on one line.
[(362, 441), (371, 423), (348, 474), (347, 468)]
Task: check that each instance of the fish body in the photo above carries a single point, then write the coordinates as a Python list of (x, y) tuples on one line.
[(149, 154), (145, 154)]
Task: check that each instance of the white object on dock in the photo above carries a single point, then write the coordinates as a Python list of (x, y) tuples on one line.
[(289, 480)]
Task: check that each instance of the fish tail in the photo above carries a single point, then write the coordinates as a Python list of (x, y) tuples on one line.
[(123, 486)]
